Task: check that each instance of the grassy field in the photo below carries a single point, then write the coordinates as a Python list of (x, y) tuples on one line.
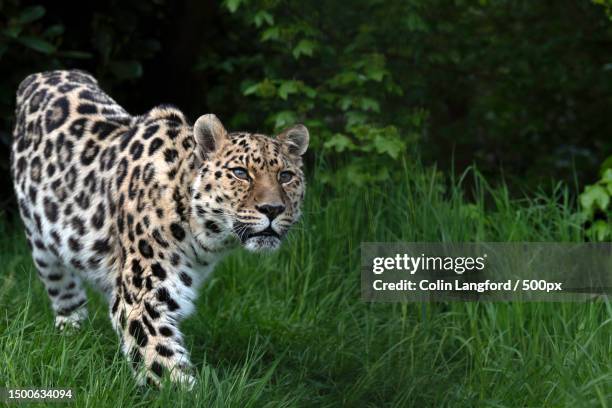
[(289, 329)]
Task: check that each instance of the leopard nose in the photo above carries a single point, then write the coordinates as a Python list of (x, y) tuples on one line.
[(270, 210)]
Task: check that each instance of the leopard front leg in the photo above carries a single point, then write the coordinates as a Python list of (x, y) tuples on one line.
[(146, 313)]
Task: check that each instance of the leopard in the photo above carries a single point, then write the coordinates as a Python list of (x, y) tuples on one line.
[(142, 208)]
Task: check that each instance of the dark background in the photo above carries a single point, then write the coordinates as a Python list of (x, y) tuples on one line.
[(523, 89)]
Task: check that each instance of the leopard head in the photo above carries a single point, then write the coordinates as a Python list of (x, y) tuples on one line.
[(249, 186)]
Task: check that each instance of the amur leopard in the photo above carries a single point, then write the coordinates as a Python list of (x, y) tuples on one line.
[(142, 207)]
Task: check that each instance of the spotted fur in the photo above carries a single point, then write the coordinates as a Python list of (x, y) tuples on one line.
[(142, 207)]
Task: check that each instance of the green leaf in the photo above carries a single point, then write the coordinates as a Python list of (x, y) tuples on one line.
[(472, 212), (37, 44), (129, 69), (339, 143), (250, 90), (284, 119), (272, 33), (375, 73), (286, 88), (594, 197), (346, 102), (232, 5), (12, 31), (265, 89), (304, 47), (262, 16), (354, 118), (368, 104), (344, 78), (309, 91), (31, 14), (599, 230), (414, 22), (606, 176), (607, 164), (53, 31), (392, 146), (75, 54)]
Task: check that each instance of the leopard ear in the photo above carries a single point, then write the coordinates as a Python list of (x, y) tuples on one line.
[(296, 139), (209, 133)]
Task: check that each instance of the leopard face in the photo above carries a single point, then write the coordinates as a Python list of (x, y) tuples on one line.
[(249, 187)]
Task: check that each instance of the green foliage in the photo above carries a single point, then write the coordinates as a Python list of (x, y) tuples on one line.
[(34, 38), (595, 199), (113, 44), (513, 83), (325, 64), (19, 30), (595, 205), (605, 3), (21, 34)]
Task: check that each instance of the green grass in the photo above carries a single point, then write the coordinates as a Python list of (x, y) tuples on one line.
[(289, 329)]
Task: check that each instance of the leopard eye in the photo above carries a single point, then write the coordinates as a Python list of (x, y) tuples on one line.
[(241, 173), (285, 176)]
